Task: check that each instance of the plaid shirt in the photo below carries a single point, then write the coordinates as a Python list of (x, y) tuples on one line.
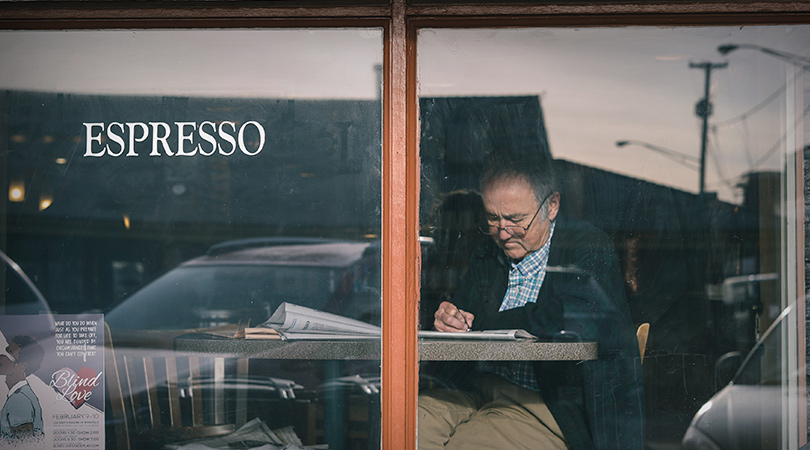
[(526, 277), (525, 280)]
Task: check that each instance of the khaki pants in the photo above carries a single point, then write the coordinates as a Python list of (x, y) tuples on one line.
[(498, 415)]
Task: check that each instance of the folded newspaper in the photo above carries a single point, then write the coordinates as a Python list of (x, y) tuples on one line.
[(299, 322), (490, 335)]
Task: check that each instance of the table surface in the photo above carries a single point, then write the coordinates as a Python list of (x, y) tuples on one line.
[(369, 349)]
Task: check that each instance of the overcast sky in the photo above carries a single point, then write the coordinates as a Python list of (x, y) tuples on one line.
[(323, 63)]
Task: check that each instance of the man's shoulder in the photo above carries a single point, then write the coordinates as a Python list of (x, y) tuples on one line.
[(580, 244), (578, 232)]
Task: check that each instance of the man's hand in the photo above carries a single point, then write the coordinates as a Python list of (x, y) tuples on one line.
[(450, 318)]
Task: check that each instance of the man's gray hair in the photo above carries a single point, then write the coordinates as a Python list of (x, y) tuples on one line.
[(539, 172)]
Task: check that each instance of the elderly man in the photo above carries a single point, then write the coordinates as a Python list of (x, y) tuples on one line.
[(559, 280)]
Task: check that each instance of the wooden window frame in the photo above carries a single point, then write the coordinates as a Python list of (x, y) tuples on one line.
[(400, 22)]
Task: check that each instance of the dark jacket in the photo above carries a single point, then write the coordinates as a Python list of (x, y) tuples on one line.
[(597, 404)]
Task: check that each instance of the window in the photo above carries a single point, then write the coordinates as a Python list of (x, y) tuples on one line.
[(194, 181), (678, 144), (295, 152)]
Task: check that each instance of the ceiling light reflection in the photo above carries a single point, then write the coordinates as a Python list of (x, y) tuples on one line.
[(44, 202), (16, 191)]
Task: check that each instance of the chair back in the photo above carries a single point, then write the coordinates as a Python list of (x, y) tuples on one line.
[(137, 384), (641, 334)]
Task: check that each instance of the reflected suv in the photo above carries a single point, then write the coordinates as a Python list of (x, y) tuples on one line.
[(246, 280)]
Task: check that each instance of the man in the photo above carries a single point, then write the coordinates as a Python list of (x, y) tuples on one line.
[(558, 280), (21, 415)]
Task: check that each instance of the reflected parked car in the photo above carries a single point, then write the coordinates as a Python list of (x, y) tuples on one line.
[(246, 280), (243, 282), (752, 410)]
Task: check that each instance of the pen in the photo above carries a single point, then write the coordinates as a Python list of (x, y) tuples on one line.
[(465, 321), (447, 298)]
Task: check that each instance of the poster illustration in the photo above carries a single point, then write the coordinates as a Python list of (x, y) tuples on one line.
[(52, 381)]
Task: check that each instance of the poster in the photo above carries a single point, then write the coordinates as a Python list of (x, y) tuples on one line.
[(52, 382)]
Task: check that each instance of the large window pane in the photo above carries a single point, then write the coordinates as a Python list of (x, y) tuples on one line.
[(185, 184), (680, 147)]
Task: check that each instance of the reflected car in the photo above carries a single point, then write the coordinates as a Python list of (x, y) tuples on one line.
[(243, 282), (752, 410)]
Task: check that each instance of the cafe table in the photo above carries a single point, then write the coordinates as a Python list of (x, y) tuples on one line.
[(335, 351), (369, 349)]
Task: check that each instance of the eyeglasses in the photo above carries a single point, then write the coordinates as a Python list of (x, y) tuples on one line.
[(517, 231)]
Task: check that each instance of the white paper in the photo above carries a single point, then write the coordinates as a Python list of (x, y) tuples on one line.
[(491, 335), (290, 319)]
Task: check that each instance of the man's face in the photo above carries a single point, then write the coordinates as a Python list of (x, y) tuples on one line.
[(511, 201)]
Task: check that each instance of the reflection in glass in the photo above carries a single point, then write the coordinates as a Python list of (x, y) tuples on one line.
[(680, 144), (188, 181)]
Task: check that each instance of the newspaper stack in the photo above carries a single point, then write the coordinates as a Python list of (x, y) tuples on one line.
[(292, 321)]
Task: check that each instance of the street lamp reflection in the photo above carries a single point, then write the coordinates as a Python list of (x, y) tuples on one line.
[(798, 60), (689, 161)]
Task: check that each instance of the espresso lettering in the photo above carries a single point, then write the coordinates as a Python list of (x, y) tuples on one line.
[(90, 138), (207, 137), (183, 137), (192, 139), (115, 138), (157, 137), (132, 139), (227, 137), (242, 138)]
